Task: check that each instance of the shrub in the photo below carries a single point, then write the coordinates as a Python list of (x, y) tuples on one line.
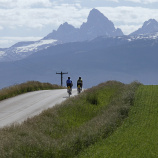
[(25, 87)]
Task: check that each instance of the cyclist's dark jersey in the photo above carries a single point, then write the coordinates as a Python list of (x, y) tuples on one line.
[(69, 83), (80, 82)]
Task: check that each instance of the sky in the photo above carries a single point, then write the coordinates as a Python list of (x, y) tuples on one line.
[(31, 20)]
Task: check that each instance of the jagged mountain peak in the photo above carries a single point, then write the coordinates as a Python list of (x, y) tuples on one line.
[(150, 22), (149, 27), (64, 33), (66, 27), (95, 15), (97, 25), (96, 18)]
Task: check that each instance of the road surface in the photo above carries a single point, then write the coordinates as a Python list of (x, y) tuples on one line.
[(19, 108)]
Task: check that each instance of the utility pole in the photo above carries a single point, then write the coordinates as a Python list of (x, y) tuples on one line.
[(61, 73)]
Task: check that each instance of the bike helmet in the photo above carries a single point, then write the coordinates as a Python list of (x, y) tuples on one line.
[(79, 77), (68, 77)]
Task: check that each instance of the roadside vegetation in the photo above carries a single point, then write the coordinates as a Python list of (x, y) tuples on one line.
[(24, 88), (73, 126), (138, 135)]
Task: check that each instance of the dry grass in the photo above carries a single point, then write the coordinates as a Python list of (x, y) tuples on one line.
[(24, 88)]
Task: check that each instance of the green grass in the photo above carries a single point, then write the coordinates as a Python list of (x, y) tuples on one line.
[(69, 128), (87, 106), (29, 86), (137, 137)]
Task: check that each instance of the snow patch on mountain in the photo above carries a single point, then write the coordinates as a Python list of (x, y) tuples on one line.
[(97, 27), (24, 49), (144, 36), (35, 46), (2, 53)]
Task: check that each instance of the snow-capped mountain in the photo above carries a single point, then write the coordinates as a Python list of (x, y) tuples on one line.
[(97, 25), (100, 52), (24, 49), (122, 58), (149, 27)]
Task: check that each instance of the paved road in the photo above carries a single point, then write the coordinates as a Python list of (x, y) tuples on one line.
[(19, 108)]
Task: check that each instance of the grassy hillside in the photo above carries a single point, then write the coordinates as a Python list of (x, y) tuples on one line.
[(67, 129), (138, 135), (24, 88)]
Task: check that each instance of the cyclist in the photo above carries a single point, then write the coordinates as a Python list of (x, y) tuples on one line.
[(69, 83), (79, 82)]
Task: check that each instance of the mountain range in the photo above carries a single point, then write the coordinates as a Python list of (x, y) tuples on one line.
[(97, 25), (97, 51), (98, 60)]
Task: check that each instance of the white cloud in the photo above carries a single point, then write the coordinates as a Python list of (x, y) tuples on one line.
[(1, 28), (135, 1), (14, 19), (128, 16), (24, 3), (74, 14), (112, 0), (39, 17), (143, 1), (6, 3), (127, 29), (108, 0), (38, 14)]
